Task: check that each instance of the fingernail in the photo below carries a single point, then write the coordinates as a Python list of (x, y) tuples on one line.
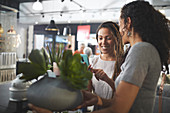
[(34, 111), (78, 107), (30, 105)]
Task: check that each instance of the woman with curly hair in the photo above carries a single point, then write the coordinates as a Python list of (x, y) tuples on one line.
[(146, 29)]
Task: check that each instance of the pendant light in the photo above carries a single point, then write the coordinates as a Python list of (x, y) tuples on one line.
[(11, 30), (1, 29), (67, 31), (37, 6), (52, 27)]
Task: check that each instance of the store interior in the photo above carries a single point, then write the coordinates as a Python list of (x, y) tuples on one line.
[(23, 28)]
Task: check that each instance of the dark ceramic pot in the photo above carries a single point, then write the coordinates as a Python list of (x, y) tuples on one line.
[(54, 94)]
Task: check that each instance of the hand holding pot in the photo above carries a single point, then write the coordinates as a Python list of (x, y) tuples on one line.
[(89, 99), (38, 109)]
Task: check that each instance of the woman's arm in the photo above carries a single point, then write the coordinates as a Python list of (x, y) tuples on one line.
[(122, 101), (100, 74), (111, 83), (90, 86)]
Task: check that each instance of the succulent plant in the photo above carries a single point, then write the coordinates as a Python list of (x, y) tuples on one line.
[(71, 69)]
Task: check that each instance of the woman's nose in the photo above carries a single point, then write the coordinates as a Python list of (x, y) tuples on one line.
[(104, 41)]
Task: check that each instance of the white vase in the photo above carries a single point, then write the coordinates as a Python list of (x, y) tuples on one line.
[(54, 94), (17, 91)]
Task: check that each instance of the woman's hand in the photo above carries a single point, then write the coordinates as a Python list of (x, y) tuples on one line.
[(99, 73), (38, 109), (89, 99)]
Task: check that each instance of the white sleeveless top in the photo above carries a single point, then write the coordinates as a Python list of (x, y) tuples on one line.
[(101, 88)]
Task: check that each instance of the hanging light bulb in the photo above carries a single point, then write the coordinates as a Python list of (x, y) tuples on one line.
[(67, 31), (37, 6), (11, 30), (52, 27), (1, 29)]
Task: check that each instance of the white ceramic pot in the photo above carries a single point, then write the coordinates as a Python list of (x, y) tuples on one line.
[(54, 94), (17, 91)]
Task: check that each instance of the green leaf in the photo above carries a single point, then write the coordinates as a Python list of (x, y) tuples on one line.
[(46, 56), (37, 66), (37, 57), (30, 71), (73, 71), (50, 53)]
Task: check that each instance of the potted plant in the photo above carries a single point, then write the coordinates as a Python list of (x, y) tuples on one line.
[(57, 93)]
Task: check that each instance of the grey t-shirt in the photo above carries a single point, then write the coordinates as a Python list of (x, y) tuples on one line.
[(142, 68)]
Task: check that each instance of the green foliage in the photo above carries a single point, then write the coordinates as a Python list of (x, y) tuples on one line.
[(73, 71), (37, 66), (55, 57), (46, 57)]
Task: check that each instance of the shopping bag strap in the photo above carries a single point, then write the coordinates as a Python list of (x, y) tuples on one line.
[(161, 91)]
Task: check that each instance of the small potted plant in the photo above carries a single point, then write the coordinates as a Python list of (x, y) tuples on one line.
[(57, 93)]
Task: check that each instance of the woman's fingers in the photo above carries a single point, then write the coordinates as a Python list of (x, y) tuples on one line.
[(89, 98), (89, 102), (103, 76), (38, 109), (97, 77), (90, 68), (99, 74), (78, 107)]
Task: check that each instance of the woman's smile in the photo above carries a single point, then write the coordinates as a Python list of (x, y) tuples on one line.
[(105, 41)]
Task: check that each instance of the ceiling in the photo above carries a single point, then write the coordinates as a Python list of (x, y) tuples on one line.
[(77, 11)]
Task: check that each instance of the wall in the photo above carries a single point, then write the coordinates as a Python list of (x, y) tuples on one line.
[(8, 19), (26, 36), (8, 46), (22, 30)]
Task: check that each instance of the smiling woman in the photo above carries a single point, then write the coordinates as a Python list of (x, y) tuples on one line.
[(109, 61)]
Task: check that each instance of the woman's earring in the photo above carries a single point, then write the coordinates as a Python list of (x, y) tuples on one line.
[(129, 34)]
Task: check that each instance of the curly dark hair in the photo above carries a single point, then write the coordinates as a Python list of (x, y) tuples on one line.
[(151, 25), (118, 45)]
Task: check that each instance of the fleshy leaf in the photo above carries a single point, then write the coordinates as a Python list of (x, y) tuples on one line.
[(30, 71), (37, 57), (73, 71)]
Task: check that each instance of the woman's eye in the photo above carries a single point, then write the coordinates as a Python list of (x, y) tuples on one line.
[(100, 38), (108, 38)]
